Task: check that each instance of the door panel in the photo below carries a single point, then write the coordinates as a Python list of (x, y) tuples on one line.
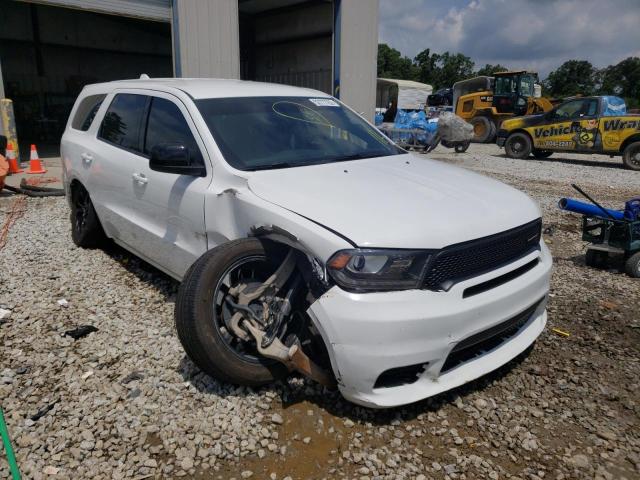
[(117, 150), (170, 206), (574, 126)]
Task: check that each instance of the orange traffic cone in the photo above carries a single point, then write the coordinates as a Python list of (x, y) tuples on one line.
[(13, 162), (35, 165)]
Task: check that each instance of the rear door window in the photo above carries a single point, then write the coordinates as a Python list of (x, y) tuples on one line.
[(167, 125), (86, 112), (122, 123)]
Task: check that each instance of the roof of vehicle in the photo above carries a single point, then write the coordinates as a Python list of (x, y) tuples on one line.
[(513, 72), (588, 97), (213, 87), (406, 83)]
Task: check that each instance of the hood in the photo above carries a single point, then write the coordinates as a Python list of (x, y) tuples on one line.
[(402, 201)]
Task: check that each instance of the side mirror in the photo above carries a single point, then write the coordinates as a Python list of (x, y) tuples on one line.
[(174, 158)]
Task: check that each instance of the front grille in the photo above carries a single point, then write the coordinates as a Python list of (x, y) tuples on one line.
[(469, 259), (488, 339)]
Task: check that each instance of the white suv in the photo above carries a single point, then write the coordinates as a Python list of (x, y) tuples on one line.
[(306, 240)]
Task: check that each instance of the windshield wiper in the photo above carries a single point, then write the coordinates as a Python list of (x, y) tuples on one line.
[(355, 156), (271, 166)]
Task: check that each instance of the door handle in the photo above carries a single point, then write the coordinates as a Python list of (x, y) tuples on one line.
[(86, 157), (139, 178)]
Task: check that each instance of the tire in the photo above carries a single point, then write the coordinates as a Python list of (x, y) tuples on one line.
[(461, 147), (484, 130), (632, 265), (631, 156), (518, 145), (541, 153), (596, 259), (86, 231), (200, 324)]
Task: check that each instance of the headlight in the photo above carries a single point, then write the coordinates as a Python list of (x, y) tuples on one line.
[(378, 269)]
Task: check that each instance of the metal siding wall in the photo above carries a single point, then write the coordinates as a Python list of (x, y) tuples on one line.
[(208, 40), (358, 53), (159, 10)]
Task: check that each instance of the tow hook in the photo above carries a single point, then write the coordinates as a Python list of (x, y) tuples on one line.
[(293, 357)]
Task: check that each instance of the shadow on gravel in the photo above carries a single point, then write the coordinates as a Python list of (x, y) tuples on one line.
[(297, 390), (145, 272), (614, 265), (570, 161)]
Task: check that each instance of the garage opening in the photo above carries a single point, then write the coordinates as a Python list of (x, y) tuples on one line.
[(287, 41), (49, 53)]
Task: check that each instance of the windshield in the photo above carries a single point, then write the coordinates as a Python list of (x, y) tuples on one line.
[(505, 86), (259, 133), (526, 86)]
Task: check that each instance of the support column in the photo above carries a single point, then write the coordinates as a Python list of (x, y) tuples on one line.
[(205, 38), (355, 54)]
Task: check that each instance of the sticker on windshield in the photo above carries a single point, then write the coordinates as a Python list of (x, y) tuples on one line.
[(324, 102)]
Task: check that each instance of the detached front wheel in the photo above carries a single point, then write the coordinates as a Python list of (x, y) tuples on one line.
[(518, 145), (203, 313)]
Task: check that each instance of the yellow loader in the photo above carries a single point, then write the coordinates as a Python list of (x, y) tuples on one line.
[(485, 102)]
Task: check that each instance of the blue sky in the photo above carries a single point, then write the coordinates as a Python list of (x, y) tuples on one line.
[(533, 34)]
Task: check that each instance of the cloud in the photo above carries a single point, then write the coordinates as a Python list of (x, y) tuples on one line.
[(533, 34)]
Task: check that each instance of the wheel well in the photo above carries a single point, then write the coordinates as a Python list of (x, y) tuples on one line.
[(74, 185), (520, 130), (633, 138), (281, 240)]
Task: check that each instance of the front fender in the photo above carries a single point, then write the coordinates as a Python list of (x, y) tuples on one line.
[(238, 213)]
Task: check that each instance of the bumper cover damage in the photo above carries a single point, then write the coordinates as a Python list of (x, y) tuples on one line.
[(370, 334)]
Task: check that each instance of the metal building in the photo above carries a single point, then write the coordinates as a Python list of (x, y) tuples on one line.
[(49, 49)]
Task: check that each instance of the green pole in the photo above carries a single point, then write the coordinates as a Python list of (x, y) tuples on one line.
[(13, 466)]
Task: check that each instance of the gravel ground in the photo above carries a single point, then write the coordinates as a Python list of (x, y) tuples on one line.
[(124, 401)]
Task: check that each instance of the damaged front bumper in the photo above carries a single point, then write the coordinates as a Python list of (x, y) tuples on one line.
[(394, 348)]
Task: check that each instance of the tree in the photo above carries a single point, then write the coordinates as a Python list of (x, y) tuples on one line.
[(452, 69), (622, 79), (573, 77), (391, 64), (489, 70), (443, 70), (426, 66)]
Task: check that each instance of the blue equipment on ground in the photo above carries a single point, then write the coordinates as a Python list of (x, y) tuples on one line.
[(632, 209), (587, 208)]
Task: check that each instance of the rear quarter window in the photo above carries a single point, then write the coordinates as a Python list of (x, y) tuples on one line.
[(122, 122), (86, 112)]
